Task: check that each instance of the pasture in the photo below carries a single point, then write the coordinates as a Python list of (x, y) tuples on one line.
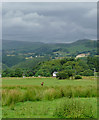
[(49, 81), (26, 98)]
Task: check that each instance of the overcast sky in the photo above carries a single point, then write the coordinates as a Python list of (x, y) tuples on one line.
[(49, 22)]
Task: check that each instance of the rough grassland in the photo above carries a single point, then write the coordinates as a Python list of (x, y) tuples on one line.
[(41, 109), (25, 98)]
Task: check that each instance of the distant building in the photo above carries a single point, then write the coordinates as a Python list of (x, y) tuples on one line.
[(0, 76), (23, 76), (29, 57), (54, 74), (82, 55)]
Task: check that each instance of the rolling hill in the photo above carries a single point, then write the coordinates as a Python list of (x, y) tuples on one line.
[(16, 52)]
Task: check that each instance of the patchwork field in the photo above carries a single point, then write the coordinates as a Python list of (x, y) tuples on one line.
[(26, 98)]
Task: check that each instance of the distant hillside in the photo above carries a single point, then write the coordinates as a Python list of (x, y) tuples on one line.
[(31, 63), (88, 43), (11, 44), (16, 52)]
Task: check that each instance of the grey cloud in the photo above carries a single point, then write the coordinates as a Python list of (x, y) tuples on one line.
[(49, 22), (91, 14)]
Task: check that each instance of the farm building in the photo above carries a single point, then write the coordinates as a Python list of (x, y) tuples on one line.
[(54, 74), (23, 76), (0, 76), (82, 55)]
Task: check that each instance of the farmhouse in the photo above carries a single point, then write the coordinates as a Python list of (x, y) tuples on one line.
[(23, 76), (82, 55), (54, 74), (0, 76)]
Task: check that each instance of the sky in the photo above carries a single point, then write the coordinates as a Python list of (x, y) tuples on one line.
[(49, 22)]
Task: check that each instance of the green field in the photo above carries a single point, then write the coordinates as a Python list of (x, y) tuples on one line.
[(49, 81), (26, 98)]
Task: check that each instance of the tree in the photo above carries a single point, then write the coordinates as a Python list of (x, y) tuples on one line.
[(62, 75), (87, 73), (65, 74), (12, 73), (43, 72), (6, 73), (18, 72)]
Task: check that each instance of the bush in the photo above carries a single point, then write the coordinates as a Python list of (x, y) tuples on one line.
[(74, 108), (78, 77), (18, 72), (65, 74), (62, 75), (12, 73), (88, 73)]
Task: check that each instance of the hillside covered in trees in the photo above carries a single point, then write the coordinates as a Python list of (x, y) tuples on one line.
[(42, 59), (67, 66), (15, 52)]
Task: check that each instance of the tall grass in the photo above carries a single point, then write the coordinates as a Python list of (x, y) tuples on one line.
[(75, 108), (14, 94), (51, 93)]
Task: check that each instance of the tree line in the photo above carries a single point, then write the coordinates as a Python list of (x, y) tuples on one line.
[(67, 67)]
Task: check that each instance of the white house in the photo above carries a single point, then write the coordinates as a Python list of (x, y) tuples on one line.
[(54, 74), (82, 55), (23, 76), (0, 76)]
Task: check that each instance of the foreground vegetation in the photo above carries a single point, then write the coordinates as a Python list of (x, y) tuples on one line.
[(26, 98), (50, 109), (14, 94)]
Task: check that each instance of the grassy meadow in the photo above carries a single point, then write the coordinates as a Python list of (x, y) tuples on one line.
[(26, 98)]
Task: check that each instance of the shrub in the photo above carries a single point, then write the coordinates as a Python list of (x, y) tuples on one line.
[(65, 74), (74, 108), (62, 75), (88, 73), (78, 77), (18, 72)]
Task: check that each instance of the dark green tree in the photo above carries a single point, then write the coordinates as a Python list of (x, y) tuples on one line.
[(18, 72)]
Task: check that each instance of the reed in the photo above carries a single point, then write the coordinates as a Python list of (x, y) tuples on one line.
[(14, 94)]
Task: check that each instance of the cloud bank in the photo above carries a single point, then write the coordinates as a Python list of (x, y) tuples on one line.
[(49, 22)]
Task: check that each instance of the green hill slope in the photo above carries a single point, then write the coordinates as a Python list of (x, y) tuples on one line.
[(19, 51)]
